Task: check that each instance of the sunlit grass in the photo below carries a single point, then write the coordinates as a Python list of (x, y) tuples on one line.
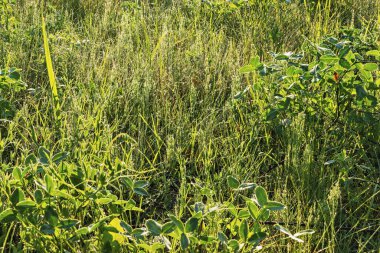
[(146, 91)]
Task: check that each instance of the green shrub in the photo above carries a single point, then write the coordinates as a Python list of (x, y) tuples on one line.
[(339, 84)]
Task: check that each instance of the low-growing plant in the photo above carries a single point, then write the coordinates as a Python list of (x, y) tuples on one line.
[(57, 205), (245, 225)]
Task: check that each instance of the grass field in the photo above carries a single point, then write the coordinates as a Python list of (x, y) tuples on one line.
[(142, 111)]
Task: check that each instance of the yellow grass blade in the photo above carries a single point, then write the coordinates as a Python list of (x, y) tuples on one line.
[(49, 64)]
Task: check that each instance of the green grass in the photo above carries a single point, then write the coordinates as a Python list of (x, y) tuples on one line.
[(146, 90)]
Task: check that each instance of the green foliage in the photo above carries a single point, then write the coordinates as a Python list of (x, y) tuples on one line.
[(7, 19), (146, 94), (62, 207), (10, 81), (58, 200), (339, 84)]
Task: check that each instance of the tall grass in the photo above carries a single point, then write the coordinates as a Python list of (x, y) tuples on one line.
[(150, 85)]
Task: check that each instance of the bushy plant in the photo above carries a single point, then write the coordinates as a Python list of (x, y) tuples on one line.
[(339, 83), (58, 205)]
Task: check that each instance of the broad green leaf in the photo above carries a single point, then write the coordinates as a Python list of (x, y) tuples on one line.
[(274, 206), (58, 158), (8, 215), (234, 245), (140, 184), (184, 241), (110, 228), (365, 75), (344, 51), (263, 214), (17, 174), (153, 227), (14, 73), (256, 238), (128, 182), (371, 66), (38, 196), (329, 59), (155, 247), (103, 201), (178, 223), (30, 159), (243, 214), (247, 69), (145, 246), (168, 227), (197, 215), (126, 227), (233, 210), (49, 184), (128, 205), (141, 191), (47, 229), (253, 209), (375, 53), (17, 196), (261, 195), (82, 231), (256, 227), (191, 225), (206, 239), (284, 56), (222, 237), (138, 232), (233, 182), (116, 223), (44, 155), (114, 238), (100, 222), (51, 216), (255, 62), (243, 230), (206, 191), (344, 63), (26, 204)]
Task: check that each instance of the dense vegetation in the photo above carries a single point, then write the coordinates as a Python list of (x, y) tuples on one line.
[(195, 126)]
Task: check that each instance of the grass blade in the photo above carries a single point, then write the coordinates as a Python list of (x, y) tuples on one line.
[(49, 65)]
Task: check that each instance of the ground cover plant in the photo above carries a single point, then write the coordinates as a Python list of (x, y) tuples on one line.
[(189, 126)]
